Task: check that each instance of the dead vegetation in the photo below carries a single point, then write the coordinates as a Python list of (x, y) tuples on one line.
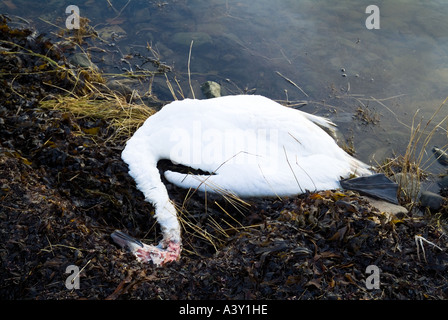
[(410, 168), (366, 115), (114, 114)]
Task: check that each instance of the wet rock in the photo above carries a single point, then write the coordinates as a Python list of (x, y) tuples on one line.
[(443, 183), (111, 33), (82, 60), (431, 200), (211, 89), (441, 156), (120, 86)]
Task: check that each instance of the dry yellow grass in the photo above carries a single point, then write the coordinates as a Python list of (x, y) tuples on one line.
[(412, 164), (125, 118)]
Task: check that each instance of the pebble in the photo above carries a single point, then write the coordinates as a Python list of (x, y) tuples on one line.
[(120, 86), (82, 60), (431, 200), (211, 89), (441, 156), (409, 183), (384, 206), (111, 33), (443, 183)]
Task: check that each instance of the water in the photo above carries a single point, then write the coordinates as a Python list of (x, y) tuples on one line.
[(252, 46)]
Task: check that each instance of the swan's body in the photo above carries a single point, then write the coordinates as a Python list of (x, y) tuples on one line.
[(251, 145)]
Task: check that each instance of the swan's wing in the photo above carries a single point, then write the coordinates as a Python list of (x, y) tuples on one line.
[(257, 180), (225, 183)]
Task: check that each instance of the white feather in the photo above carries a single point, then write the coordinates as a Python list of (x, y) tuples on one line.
[(252, 145)]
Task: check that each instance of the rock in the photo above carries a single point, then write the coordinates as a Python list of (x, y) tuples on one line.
[(431, 200), (81, 59), (111, 33), (384, 206), (440, 155), (120, 87), (443, 183), (409, 184), (160, 89), (211, 89)]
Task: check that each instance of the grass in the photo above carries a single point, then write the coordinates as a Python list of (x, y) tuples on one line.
[(413, 164), (122, 117), (366, 116)]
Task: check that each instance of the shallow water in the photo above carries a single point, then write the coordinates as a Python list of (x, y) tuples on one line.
[(322, 46)]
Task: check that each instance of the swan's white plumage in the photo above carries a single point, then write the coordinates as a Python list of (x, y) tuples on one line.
[(253, 145)]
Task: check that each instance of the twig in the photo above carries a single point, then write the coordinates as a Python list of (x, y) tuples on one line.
[(272, 189), (228, 214), (376, 100), (389, 109), (189, 74), (295, 177), (284, 56), (51, 246), (121, 10), (77, 275), (111, 6), (419, 241), (170, 87), (291, 82)]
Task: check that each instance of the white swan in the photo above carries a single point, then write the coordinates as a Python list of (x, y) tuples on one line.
[(250, 145)]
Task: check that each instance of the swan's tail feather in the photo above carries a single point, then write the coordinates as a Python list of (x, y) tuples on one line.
[(325, 124), (360, 168)]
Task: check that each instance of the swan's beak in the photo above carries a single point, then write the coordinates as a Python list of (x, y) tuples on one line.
[(126, 241)]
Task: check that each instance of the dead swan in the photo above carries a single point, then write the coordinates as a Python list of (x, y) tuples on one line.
[(250, 145)]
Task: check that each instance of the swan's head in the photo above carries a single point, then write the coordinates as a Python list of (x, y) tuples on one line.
[(167, 251)]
